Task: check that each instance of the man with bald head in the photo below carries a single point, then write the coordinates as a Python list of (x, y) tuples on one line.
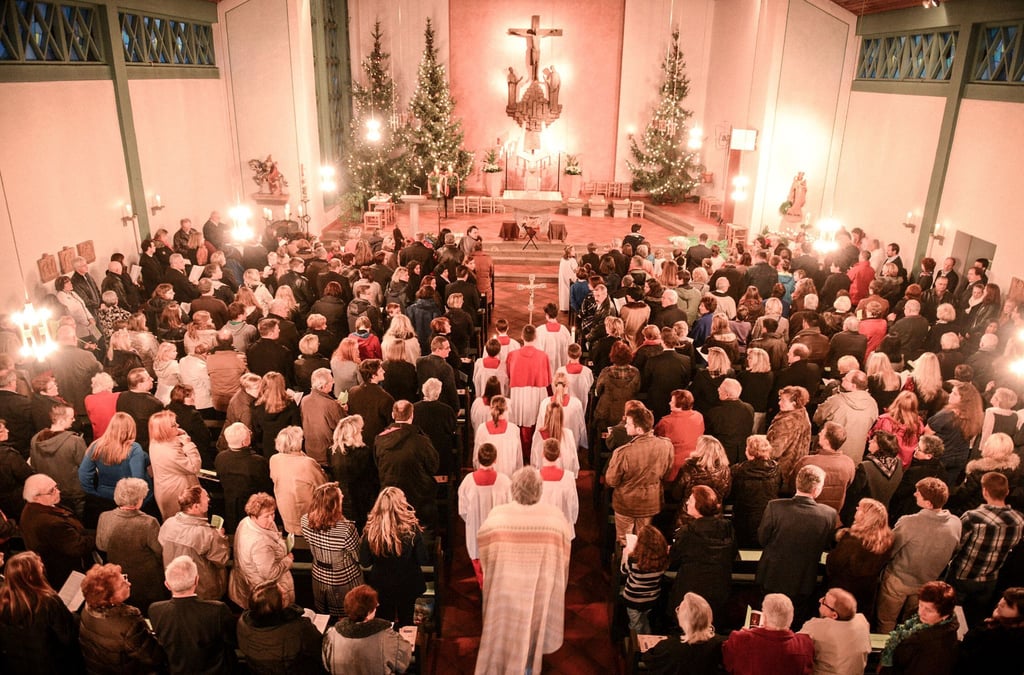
[(52, 531)]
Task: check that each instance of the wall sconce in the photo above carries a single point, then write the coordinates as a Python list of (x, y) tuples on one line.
[(34, 326), (937, 235), (127, 215), (739, 188), (157, 205), (268, 215), (908, 223), (240, 214)]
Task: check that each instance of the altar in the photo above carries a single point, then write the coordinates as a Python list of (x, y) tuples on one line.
[(533, 208)]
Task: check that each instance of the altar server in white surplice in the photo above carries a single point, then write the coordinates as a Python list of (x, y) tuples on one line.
[(508, 344), (490, 366), (479, 492), (551, 426), (503, 435), (559, 485), (581, 380), (572, 410), (554, 338)]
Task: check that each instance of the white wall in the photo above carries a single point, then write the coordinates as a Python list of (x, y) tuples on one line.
[(982, 195), (64, 179)]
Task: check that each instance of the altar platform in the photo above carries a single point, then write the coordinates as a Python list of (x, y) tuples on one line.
[(532, 200)]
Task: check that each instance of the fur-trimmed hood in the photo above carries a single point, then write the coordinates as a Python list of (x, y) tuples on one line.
[(1010, 462)]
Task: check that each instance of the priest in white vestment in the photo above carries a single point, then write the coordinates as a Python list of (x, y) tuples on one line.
[(524, 551)]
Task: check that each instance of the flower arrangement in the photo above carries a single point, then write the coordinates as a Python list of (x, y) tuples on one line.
[(572, 166), (491, 162)]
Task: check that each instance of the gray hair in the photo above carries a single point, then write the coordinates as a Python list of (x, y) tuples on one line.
[(671, 296), (181, 575), (431, 389), (811, 302), (109, 298), (289, 440), (320, 378), (237, 435), (851, 323), (526, 486), (130, 491), (777, 611), (101, 382)]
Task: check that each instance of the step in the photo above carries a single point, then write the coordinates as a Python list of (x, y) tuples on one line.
[(524, 277), (668, 220)]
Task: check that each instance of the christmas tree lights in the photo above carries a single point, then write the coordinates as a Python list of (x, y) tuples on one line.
[(664, 165)]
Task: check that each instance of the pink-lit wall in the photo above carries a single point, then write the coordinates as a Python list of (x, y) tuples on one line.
[(586, 56), (886, 161), (64, 179), (184, 148), (982, 195)]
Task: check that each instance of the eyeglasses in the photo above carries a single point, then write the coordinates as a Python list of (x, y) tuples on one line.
[(49, 492), (826, 605)]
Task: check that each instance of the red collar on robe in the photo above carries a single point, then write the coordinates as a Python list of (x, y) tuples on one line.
[(564, 402), (498, 428), (544, 434), (504, 339), (491, 361), (551, 473), (484, 477), (574, 368), (553, 326)]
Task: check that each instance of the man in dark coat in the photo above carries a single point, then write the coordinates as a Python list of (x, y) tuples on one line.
[(407, 459), (695, 254), (16, 411), (417, 251), (295, 279), (198, 635), (794, 533), (184, 290), (435, 364), (152, 271), (73, 368), (731, 420), (268, 354), (438, 421), (761, 275), (53, 532), (139, 403), (242, 473), (663, 373), (370, 400), (800, 373), (83, 284)]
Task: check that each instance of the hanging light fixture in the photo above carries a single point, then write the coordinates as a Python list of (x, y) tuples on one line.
[(33, 324)]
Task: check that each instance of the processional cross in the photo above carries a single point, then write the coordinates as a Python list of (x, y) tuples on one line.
[(532, 287), (533, 34)]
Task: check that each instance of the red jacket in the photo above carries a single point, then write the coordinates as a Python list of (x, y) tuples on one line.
[(764, 651), (861, 275)]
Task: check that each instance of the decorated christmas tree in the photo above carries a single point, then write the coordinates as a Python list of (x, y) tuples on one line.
[(378, 159), (662, 163), (435, 138)]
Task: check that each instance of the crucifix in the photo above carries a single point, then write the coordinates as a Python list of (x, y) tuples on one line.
[(532, 287), (533, 34)]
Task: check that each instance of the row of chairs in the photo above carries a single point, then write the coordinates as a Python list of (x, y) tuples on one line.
[(608, 189), (477, 204)]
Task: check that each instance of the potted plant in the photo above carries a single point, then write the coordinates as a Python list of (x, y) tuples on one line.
[(573, 177), (492, 174)]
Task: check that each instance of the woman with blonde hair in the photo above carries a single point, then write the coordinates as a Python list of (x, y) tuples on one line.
[(862, 551), (143, 342), (573, 417), (253, 299), (926, 382), (345, 367), (391, 554), (724, 338), (505, 437), (553, 426), (272, 411), (707, 465), (669, 275), (176, 461), (121, 358), (757, 380), (261, 555), (790, 431), (37, 632), (883, 382), (400, 378), (997, 454), (706, 381), (401, 328), (957, 424), (171, 328), (201, 330), (111, 457), (750, 308), (284, 292), (699, 648), (295, 475), (902, 421), (167, 369), (334, 543), (353, 467)]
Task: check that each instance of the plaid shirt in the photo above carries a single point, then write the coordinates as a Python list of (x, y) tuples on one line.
[(989, 532)]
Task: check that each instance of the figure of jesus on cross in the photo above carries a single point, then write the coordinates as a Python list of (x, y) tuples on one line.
[(532, 287), (533, 34)]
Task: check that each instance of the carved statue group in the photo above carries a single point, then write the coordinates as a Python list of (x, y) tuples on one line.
[(538, 105), (267, 176)]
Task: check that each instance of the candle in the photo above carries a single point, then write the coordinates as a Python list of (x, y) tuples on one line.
[(910, 214), (287, 211), (300, 209), (128, 210), (158, 200)]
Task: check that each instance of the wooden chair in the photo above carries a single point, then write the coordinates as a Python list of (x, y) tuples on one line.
[(473, 204), (486, 205), (459, 205), (636, 209), (373, 220), (498, 206)]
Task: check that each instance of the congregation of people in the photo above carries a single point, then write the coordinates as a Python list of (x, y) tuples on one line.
[(837, 416)]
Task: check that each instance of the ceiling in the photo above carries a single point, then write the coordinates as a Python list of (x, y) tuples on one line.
[(862, 7)]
